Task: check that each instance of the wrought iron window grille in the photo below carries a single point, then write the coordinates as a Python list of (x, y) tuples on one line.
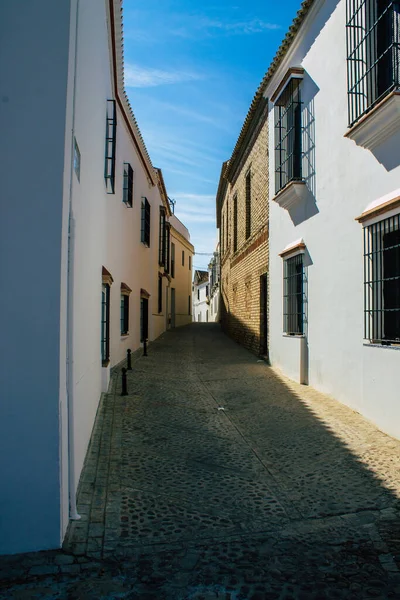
[(294, 295), (160, 292), (110, 150), (105, 323), (373, 53), (382, 281), (288, 134), (124, 318), (128, 185), (145, 222), (162, 237)]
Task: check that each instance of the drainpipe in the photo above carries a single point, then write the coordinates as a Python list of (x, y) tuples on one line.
[(73, 513)]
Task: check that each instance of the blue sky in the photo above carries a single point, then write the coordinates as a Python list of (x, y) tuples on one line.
[(190, 74)]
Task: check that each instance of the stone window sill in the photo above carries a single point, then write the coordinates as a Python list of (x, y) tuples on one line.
[(379, 124), (292, 194)]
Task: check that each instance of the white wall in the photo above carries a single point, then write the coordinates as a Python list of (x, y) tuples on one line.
[(347, 178), (201, 310), (32, 121)]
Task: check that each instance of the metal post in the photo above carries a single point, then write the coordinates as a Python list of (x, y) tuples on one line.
[(145, 347), (129, 365), (124, 386)]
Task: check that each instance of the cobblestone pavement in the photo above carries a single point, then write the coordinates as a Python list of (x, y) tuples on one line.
[(217, 478)]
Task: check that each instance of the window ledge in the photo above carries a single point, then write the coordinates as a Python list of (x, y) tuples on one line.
[(105, 363), (125, 335), (293, 335), (292, 194), (382, 346), (379, 124)]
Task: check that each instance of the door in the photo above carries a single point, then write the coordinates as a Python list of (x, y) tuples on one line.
[(172, 307), (264, 315)]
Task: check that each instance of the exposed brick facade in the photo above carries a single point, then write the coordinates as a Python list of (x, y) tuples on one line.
[(243, 294)]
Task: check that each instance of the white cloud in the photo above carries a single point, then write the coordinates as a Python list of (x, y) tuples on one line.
[(141, 77), (211, 26)]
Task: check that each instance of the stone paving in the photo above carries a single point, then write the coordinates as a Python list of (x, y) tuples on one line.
[(218, 478)]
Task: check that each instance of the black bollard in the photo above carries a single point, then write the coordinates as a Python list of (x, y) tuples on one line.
[(129, 365), (145, 347), (124, 385)]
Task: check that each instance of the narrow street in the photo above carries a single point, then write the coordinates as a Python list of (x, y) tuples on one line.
[(216, 478)]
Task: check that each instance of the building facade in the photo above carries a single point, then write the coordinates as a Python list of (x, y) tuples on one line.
[(201, 294), (333, 94), (242, 219), (182, 253), (87, 234)]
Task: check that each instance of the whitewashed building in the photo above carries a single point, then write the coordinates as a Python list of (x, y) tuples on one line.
[(201, 300), (214, 287), (334, 222), (85, 251)]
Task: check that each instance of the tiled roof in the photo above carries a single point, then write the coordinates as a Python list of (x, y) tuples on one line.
[(200, 277)]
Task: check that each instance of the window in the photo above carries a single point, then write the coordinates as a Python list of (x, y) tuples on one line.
[(162, 235), (107, 281), (288, 135), (190, 263), (248, 205), (235, 232), (144, 319), (382, 281), (160, 293), (145, 222), (207, 290), (188, 305), (128, 185), (167, 247), (172, 260), (293, 295), (77, 160), (124, 313), (105, 324), (183, 258), (373, 53), (111, 137), (198, 294)]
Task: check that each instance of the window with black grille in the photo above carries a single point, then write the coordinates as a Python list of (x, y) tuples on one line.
[(160, 293), (124, 317), (248, 205), (235, 224), (144, 319), (172, 260), (382, 281), (145, 222), (127, 196), (293, 295), (111, 139), (162, 236), (288, 150), (105, 323), (167, 245), (373, 53)]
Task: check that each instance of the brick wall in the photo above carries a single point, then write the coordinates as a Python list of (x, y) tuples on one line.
[(241, 271)]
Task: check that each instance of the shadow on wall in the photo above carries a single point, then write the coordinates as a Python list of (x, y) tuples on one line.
[(388, 153), (239, 330)]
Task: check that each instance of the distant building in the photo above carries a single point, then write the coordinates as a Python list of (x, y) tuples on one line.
[(181, 274), (201, 291), (214, 290)]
